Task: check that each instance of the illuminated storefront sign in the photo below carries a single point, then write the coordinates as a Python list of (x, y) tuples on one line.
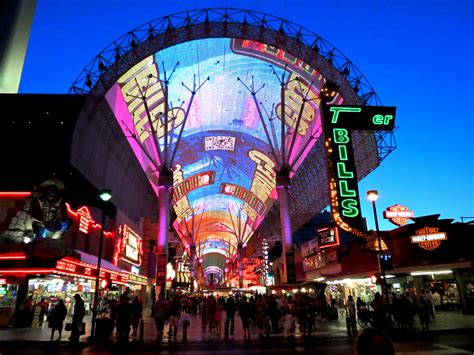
[(129, 247), (321, 259), (338, 122), (428, 238), (268, 280), (310, 247), (398, 214), (328, 237)]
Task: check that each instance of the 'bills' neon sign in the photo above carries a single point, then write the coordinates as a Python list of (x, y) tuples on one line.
[(338, 121)]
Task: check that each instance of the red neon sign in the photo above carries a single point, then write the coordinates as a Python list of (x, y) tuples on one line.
[(64, 265), (129, 247), (14, 194), (13, 256), (86, 222), (398, 214)]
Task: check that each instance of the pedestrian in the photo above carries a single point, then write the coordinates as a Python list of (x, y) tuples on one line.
[(244, 313), (230, 315), (175, 312), (273, 314), (160, 314), (123, 313), (429, 299), (218, 315), (137, 309), (351, 316), (423, 312), (208, 310), (289, 310), (77, 317), (56, 319), (260, 315)]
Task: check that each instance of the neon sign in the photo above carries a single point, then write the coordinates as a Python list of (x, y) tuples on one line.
[(130, 246), (338, 121), (245, 195), (428, 238), (85, 220), (398, 214), (328, 237)]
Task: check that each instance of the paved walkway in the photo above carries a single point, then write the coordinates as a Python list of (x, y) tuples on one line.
[(333, 328)]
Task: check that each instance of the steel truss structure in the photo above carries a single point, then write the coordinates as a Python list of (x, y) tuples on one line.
[(104, 69)]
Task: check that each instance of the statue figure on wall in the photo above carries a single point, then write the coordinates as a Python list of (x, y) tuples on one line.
[(48, 210)]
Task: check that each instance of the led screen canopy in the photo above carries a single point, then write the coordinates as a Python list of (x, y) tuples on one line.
[(225, 159)]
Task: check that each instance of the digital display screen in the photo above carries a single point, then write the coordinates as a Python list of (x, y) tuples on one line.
[(224, 166)]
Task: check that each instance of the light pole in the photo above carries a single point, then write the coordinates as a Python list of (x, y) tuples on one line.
[(373, 195), (104, 195)]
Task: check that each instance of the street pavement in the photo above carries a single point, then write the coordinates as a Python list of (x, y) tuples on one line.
[(457, 330)]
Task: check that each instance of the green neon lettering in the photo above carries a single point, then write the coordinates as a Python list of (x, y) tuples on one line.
[(335, 111), (344, 189), (343, 152), (341, 135), (349, 208), (378, 119), (387, 119), (342, 173)]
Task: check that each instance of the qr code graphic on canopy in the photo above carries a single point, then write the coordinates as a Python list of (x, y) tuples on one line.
[(219, 143)]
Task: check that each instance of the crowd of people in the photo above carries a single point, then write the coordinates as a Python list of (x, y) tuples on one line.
[(260, 315), (266, 313), (399, 311)]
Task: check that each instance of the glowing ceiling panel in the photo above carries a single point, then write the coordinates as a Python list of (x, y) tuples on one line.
[(223, 167)]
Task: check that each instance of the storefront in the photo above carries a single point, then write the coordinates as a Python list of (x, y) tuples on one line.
[(433, 254)]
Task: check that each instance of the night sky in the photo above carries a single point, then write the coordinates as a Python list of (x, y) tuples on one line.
[(417, 54)]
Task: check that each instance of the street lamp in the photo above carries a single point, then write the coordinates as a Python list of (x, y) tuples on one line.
[(104, 196), (373, 195)]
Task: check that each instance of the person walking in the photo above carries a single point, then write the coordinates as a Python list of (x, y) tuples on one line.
[(175, 312), (244, 313), (137, 309), (218, 315), (123, 313), (56, 319), (230, 315), (351, 316), (260, 315), (160, 313), (77, 317), (208, 310), (423, 312), (289, 310)]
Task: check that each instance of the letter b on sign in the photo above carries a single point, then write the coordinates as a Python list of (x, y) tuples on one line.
[(341, 135)]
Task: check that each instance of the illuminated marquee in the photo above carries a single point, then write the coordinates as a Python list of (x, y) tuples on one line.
[(130, 246), (428, 238), (338, 121), (245, 195), (192, 183), (398, 214)]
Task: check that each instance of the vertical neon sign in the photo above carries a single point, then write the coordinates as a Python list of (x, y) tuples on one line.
[(338, 123)]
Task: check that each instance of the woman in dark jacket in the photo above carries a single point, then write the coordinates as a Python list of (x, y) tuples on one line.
[(56, 319)]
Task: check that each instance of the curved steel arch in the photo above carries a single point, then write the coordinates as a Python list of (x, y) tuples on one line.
[(167, 31), (115, 59)]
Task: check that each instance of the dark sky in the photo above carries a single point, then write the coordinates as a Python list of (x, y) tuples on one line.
[(417, 54)]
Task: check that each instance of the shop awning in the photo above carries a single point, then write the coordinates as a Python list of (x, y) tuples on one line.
[(92, 259)]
